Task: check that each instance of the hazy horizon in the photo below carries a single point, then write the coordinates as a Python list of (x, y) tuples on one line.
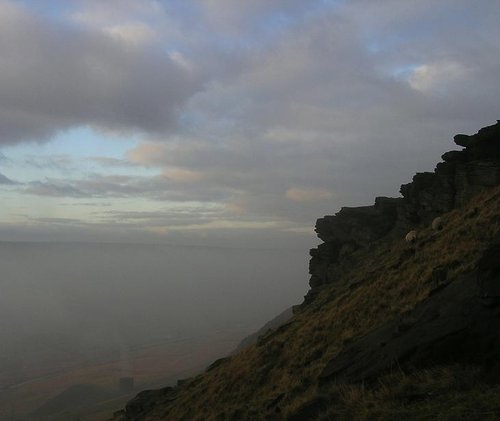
[(69, 301)]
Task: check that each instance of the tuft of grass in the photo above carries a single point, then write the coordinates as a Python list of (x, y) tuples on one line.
[(441, 393)]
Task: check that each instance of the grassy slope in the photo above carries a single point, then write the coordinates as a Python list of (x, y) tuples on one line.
[(278, 376)]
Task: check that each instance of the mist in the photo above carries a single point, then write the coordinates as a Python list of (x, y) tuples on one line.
[(64, 303)]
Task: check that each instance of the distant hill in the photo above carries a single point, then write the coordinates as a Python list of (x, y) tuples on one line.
[(73, 398), (275, 323), (390, 329)]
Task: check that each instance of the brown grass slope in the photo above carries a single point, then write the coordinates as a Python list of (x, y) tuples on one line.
[(279, 377)]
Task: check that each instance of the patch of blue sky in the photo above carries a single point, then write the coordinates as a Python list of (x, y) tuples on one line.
[(322, 6), (187, 10), (382, 43), (72, 153), (54, 9), (268, 27), (396, 34), (276, 23), (86, 142), (403, 72), (460, 16), (374, 46)]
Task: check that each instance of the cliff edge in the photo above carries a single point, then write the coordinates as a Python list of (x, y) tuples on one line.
[(461, 176), (391, 328)]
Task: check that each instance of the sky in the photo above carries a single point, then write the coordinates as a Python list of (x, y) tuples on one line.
[(229, 122)]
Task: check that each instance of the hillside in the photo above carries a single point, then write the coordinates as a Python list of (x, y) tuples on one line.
[(389, 329), (276, 322)]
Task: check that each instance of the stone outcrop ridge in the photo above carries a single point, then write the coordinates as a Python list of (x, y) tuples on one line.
[(461, 175)]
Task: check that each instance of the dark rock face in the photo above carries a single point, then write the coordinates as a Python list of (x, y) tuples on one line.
[(359, 225), (460, 323), (462, 175), (347, 231)]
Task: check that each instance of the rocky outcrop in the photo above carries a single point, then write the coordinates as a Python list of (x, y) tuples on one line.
[(456, 180), (347, 231), (461, 175)]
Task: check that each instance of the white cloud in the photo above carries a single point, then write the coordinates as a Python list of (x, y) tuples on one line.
[(437, 77), (135, 34)]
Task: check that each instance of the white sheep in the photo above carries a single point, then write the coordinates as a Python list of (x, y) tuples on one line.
[(411, 237), (437, 224)]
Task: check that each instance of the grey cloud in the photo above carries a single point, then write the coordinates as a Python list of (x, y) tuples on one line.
[(54, 189), (57, 220), (181, 215), (242, 198), (120, 186), (319, 110), (111, 162), (166, 218), (55, 77), (235, 16), (5, 180), (99, 186), (57, 162), (96, 204)]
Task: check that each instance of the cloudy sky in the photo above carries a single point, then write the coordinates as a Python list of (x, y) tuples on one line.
[(229, 121)]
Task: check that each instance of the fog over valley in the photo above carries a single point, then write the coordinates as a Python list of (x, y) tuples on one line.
[(66, 303)]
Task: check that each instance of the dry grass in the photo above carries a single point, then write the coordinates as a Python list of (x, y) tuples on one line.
[(441, 393), (384, 282)]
